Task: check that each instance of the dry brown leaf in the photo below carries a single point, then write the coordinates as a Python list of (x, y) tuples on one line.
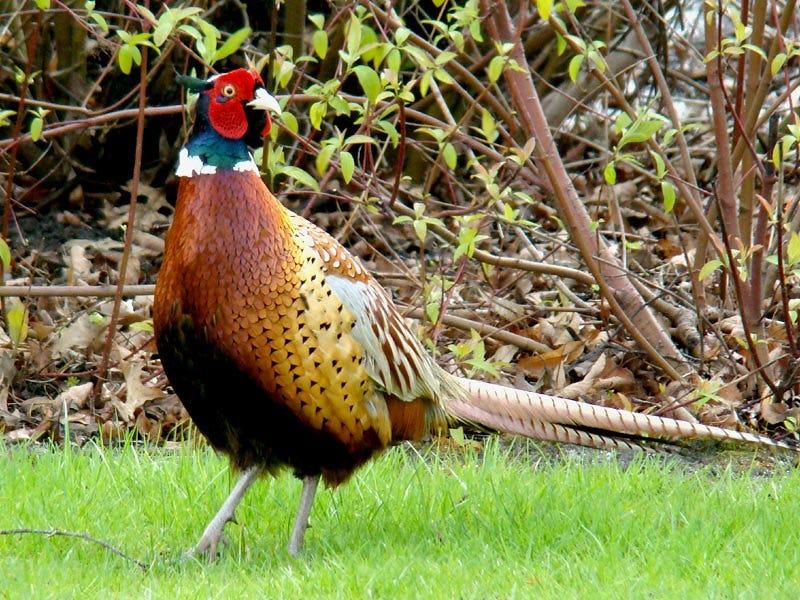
[(79, 267), (22, 434), (7, 372), (616, 377), (668, 249), (622, 193), (150, 245), (505, 353), (536, 365), (506, 309), (587, 384), (136, 393), (773, 412), (76, 396), (82, 334)]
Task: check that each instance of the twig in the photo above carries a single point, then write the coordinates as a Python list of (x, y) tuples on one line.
[(72, 291), (74, 534), (746, 325), (506, 337), (67, 126), (34, 42), (625, 302), (126, 251)]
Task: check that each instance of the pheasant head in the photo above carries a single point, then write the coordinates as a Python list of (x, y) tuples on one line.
[(233, 111)]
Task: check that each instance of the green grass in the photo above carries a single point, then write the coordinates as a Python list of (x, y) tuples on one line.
[(508, 523)]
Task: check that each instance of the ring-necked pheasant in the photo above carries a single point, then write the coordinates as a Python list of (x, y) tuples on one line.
[(287, 353)]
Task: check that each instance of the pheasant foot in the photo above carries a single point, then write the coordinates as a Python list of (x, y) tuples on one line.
[(214, 532), (303, 511)]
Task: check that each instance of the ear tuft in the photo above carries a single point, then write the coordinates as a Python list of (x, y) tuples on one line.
[(193, 84)]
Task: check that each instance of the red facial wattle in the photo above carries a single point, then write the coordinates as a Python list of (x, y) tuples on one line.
[(228, 97), (267, 126)]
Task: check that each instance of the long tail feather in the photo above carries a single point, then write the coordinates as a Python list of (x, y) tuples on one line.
[(538, 430), (538, 412)]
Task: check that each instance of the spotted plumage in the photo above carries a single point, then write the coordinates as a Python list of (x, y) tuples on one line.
[(287, 353)]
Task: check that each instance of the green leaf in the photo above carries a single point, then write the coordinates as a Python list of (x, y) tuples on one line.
[(622, 122), (319, 41), (17, 322), (5, 116), (544, 7), (444, 57), (324, 158), (457, 435), (777, 155), (136, 55), (756, 49), (146, 326), (5, 254), (640, 131), (36, 128), (125, 59), (561, 44), (100, 20), (458, 40), (575, 67), (290, 121), (442, 76), (390, 130), (610, 173), (142, 10), (425, 83), (793, 249), (43, 4), (421, 229), (394, 60), (668, 191), (777, 63), (232, 44), (359, 139), (161, 33), (432, 310), (475, 30), (353, 35), (488, 126), (348, 165), (419, 56), (495, 69), (709, 268), (299, 175), (401, 35), (318, 20), (190, 31), (661, 168), (369, 80), (450, 156), (316, 113), (340, 105)]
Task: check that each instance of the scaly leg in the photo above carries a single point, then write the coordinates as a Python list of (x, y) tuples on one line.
[(214, 532), (303, 512)]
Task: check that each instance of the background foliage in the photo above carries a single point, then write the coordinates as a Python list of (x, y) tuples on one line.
[(600, 196)]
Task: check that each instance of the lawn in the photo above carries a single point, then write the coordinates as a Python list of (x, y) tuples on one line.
[(511, 521)]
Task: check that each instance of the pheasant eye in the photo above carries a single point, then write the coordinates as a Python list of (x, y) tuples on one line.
[(228, 91)]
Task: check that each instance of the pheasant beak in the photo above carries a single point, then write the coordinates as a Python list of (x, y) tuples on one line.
[(264, 101)]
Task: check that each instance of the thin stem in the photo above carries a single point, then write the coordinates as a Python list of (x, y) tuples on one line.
[(126, 252)]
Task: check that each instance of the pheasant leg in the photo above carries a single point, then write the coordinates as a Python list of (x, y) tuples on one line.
[(303, 512), (214, 532)]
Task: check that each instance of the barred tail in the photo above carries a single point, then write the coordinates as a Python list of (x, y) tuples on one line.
[(538, 430), (558, 419)]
